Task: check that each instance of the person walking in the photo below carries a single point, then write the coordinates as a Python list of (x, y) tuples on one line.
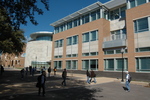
[(55, 71), (127, 84), (26, 71), (30, 69), (64, 75), (93, 75), (41, 81), (49, 71), (22, 73), (33, 71), (88, 76), (2, 69)]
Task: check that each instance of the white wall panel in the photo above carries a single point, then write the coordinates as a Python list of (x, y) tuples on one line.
[(38, 51)]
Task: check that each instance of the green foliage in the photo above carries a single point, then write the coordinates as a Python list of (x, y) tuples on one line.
[(13, 13), (20, 10)]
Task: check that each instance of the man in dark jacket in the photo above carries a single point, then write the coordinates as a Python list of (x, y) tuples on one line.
[(41, 81), (64, 75), (88, 76), (93, 75), (49, 71), (2, 69)]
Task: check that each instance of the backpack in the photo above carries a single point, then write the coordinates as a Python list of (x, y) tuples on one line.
[(130, 79)]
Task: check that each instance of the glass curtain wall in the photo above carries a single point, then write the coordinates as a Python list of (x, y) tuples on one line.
[(40, 64)]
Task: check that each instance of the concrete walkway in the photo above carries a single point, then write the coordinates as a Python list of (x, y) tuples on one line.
[(13, 88)]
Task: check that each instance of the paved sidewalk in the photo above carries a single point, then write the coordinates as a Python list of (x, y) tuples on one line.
[(13, 88)]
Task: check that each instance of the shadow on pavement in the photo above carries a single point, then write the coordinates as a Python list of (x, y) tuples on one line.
[(12, 86), (80, 93)]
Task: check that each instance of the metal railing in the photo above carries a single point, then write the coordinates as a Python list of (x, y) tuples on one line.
[(115, 37)]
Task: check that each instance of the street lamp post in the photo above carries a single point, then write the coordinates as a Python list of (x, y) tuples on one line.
[(122, 51)]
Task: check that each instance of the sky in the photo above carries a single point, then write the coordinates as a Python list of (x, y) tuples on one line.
[(58, 9)]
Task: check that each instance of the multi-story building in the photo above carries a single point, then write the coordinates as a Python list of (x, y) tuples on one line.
[(12, 60), (107, 38), (39, 49)]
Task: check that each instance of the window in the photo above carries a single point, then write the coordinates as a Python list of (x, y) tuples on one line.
[(109, 52), (114, 51), (58, 56), (118, 13), (76, 22), (55, 56), (74, 64), (45, 38), (72, 40), (69, 41), (142, 64), (90, 36), (71, 64), (98, 14), (145, 49), (114, 14), (134, 3), (85, 54), (59, 43), (61, 28), (93, 16), (109, 64), (105, 14), (141, 25), (39, 64), (56, 44), (120, 63), (90, 64), (68, 55), (68, 64), (124, 31), (123, 14), (71, 55), (90, 54), (86, 18), (69, 25), (93, 53), (74, 55), (86, 37), (58, 64), (56, 29), (116, 64), (75, 39), (85, 64), (94, 64), (93, 35), (139, 2), (118, 51)]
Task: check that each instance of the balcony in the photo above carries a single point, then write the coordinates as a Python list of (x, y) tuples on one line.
[(115, 40)]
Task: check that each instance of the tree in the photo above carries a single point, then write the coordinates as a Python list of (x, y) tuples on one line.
[(13, 13)]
